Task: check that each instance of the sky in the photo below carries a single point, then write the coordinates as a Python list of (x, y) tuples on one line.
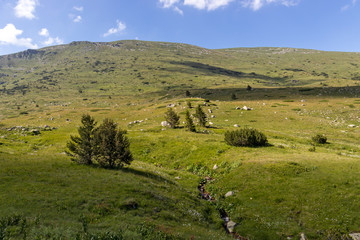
[(331, 25)]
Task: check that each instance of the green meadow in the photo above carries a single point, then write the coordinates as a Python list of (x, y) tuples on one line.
[(289, 187)]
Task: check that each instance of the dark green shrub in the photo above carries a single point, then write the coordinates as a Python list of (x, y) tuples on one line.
[(172, 118), (245, 137), (319, 138)]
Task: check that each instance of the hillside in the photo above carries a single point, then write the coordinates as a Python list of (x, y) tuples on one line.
[(290, 187)]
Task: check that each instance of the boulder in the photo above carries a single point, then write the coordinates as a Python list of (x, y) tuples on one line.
[(231, 226), (355, 236), (246, 108), (351, 125), (228, 194), (164, 124)]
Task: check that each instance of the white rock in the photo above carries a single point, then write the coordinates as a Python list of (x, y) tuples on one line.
[(228, 194), (215, 167), (231, 226), (352, 125), (164, 124), (246, 108), (355, 236), (236, 125)]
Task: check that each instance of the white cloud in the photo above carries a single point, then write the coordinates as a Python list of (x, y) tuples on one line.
[(78, 8), (347, 6), (257, 4), (168, 3), (25, 9), (77, 19), (9, 36), (178, 10), (44, 32), (51, 41), (119, 28), (211, 5)]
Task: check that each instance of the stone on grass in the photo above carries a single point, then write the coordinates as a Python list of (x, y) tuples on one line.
[(228, 194), (231, 226), (215, 167), (165, 124)]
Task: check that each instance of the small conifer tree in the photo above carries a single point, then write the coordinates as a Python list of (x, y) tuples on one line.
[(200, 115), (80, 148), (188, 103), (189, 124), (111, 146), (172, 118)]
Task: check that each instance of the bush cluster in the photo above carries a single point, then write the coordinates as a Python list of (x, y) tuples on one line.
[(245, 137), (319, 138)]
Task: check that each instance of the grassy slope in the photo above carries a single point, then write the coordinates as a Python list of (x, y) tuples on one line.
[(280, 190)]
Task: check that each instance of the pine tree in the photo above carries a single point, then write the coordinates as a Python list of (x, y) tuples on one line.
[(189, 124), (188, 103), (172, 118), (200, 115), (80, 148), (111, 146)]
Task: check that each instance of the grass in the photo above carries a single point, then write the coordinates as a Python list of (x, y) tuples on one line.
[(280, 190)]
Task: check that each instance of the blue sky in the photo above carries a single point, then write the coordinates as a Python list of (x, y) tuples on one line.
[(332, 25)]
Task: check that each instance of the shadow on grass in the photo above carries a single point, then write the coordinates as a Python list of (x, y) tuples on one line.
[(196, 67), (263, 93), (146, 174)]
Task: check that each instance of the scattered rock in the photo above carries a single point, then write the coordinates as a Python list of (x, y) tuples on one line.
[(231, 226), (302, 236), (246, 108), (351, 125), (177, 178), (236, 125), (355, 236), (228, 194), (211, 123), (303, 100), (215, 167), (209, 110), (165, 124), (213, 116), (237, 108)]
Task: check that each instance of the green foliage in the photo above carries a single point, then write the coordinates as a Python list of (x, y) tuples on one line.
[(245, 137), (80, 148), (111, 146), (172, 118), (319, 139), (106, 145), (188, 103), (189, 124), (201, 116)]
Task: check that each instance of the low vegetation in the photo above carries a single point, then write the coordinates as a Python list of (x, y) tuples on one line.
[(246, 137)]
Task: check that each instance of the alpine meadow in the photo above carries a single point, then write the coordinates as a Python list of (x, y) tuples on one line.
[(184, 142)]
